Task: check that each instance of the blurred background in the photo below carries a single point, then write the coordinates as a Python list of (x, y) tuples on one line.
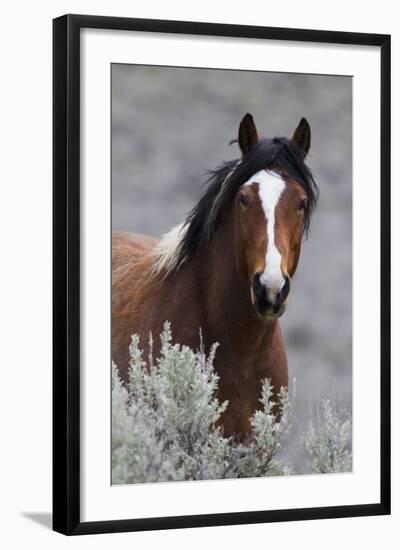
[(170, 125)]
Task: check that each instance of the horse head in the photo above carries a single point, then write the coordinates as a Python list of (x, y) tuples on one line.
[(271, 211)]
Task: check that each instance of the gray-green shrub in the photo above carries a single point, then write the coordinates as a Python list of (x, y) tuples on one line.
[(164, 421), (164, 424), (328, 444)]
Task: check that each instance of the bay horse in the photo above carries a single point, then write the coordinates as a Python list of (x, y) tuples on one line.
[(227, 270)]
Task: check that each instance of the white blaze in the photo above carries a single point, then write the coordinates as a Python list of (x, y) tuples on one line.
[(270, 188)]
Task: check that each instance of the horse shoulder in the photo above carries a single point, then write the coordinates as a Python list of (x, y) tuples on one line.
[(132, 263)]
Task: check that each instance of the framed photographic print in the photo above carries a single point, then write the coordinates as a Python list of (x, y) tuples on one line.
[(221, 274)]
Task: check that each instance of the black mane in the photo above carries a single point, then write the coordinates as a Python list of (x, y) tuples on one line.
[(277, 154)]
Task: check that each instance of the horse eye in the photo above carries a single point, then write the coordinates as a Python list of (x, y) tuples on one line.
[(243, 199), (303, 205)]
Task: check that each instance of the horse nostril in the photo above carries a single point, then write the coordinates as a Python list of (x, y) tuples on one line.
[(283, 293), (258, 287)]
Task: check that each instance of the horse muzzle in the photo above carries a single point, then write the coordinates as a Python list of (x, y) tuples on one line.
[(269, 302)]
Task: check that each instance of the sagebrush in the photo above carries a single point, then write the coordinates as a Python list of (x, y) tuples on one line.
[(164, 423), (328, 444)]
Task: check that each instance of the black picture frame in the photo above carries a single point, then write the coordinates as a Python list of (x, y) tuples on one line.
[(66, 273)]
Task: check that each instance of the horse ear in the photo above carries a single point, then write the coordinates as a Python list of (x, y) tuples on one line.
[(302, 136), (248, 135)]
